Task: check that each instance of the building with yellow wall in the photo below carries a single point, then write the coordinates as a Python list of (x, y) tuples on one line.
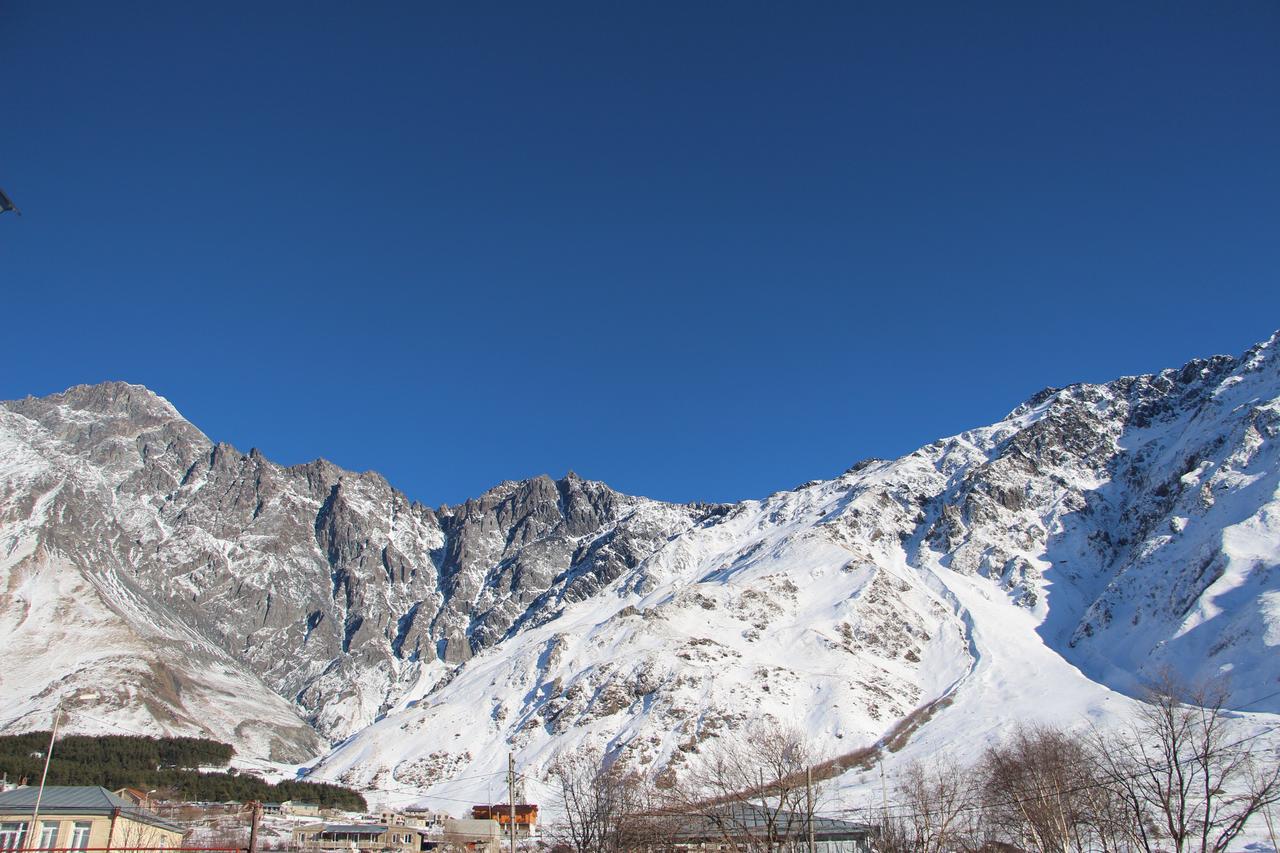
[(81, 818)]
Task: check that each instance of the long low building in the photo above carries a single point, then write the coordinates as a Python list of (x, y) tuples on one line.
[(80, 817), (743, 826), (358, 836)]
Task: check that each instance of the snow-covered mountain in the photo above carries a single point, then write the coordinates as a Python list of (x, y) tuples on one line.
[(1043, 566)]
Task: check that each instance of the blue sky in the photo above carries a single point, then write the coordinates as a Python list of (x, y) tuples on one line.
[(699, 251)]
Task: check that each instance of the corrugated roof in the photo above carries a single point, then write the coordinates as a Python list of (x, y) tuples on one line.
[(64, 797), (78, 799), (361, 828), (746, 820), (358, 828)]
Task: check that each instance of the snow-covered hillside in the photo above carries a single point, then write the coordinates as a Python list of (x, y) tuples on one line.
[(1042, 567), (1019, 571)]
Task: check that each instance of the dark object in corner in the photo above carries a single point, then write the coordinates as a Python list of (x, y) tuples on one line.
[(6, 204)]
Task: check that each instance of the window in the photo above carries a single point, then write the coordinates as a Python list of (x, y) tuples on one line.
[(48, 834), (80, 835), (13, 835)]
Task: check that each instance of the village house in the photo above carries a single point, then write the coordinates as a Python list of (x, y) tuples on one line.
[(295, 807), (81, 817), (526, 817), (358, 836), (136, 796), (484, 836), (420, 818)]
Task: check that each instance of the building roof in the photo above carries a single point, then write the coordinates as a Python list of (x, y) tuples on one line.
[(504, 809), (358, 828), (745, 820), (63, 796), (77, 799)]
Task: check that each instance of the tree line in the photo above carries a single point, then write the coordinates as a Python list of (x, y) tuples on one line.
[(167, 765), (1172, 779)]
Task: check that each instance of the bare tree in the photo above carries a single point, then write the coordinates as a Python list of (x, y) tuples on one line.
[(936, 810), (1041, 790), (1184, 783), (1271, 826), (606, 808), (755, 789)]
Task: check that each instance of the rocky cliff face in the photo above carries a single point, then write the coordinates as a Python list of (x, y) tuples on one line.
[(1118, 529), (330, 588)]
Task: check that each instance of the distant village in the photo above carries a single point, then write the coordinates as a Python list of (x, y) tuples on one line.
[(92, 818), (599, 808)]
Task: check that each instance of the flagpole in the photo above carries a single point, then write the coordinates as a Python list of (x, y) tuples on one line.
[(35, 815)]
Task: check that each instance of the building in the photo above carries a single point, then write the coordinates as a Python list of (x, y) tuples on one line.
[(135, 796), (297, 808), (358, 836), (526, 817), (420, 818), (742, 825), (481, 835), (82, 817)]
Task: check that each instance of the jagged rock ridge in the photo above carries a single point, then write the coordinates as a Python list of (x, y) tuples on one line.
[(330, 588), (1125, 527)]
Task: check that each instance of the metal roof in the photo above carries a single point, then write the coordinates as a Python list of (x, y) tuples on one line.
[(77, 799), (746, 820), (64, 796), (359, 828)]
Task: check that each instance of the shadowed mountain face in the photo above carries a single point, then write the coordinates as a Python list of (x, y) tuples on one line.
[(180, 585)]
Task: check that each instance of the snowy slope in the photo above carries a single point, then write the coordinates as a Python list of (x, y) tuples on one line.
[(329, 590), (1018, 571), (1043, 567), (80, 633)]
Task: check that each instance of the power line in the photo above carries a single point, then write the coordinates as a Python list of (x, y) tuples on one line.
[(886, 809), (424, 796), (116, 725), (910, 809), (1261, 698)]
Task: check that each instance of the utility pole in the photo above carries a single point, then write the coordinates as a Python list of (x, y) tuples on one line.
[(511, 796), (808, 800), (111, 833), (770, 818), (253, 826), (884, 798), (48, 756)]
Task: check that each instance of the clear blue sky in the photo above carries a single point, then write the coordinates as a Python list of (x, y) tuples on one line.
[(696, 250)]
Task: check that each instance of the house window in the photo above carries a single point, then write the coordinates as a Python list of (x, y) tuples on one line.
[(80, 835), (13, 835), (48, 834)]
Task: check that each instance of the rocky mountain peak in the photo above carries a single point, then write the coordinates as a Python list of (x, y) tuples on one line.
[(113, 399), (1122, 525)]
